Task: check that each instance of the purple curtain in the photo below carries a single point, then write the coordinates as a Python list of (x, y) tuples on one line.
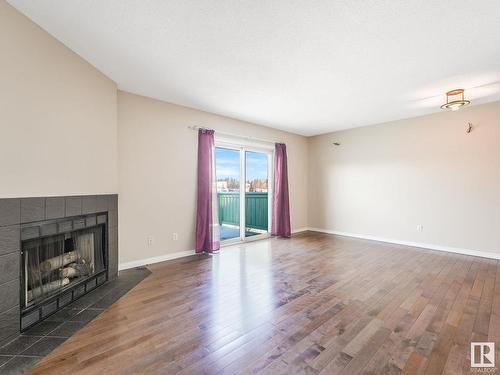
[(207, 221), (281, 210)]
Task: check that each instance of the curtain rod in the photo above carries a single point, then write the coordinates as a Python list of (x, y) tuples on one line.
[(195, 127)]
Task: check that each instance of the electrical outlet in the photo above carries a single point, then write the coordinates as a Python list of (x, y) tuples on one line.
[(150, 240), (420, 228), (175, 236)]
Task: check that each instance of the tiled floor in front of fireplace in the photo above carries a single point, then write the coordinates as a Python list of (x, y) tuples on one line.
[(25, 350)]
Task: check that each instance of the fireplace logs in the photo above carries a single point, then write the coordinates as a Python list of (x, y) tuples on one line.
[(58, 261), (75, 270)]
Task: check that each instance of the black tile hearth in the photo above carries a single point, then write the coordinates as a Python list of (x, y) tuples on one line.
[(19, 365), (21, 353), (42, 328), (19, 345), (107, 300), (4, 358), (67, 329), (43, 346), (65, 314)]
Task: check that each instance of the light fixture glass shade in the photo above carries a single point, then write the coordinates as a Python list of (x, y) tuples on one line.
[(455, 100)]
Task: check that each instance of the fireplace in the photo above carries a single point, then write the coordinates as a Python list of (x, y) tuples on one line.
[(61, 260), (34, 231)]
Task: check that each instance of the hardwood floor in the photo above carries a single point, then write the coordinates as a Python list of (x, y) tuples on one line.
[(314, 304)]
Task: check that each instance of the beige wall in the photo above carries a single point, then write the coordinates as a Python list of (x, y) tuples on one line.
[(157, 164), (58, 131), (385, 180)]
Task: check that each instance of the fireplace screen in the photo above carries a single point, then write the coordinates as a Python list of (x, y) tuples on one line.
[(53, 263)]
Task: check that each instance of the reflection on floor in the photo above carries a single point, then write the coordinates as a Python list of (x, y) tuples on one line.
[(230, 231), (17, 356)]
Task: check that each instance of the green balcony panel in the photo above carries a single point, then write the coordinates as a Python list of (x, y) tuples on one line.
[(256, 204)]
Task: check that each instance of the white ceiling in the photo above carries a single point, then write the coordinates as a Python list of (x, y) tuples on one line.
[(304, 66)]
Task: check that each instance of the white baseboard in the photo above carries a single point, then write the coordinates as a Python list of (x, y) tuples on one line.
[(482, 254), (161, 258), (299, 230), (180, 254)]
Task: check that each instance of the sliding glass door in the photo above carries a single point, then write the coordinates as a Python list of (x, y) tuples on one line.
[(228, 174), (256, 193), (243, 192)]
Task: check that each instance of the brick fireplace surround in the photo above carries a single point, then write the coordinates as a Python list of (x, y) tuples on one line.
[(14, 212)]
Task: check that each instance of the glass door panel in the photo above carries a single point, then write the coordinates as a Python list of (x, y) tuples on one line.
[(228, 172), (256, 193)]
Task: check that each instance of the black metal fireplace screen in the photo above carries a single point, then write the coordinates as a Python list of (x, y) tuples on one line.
[(61, 267), (54, 262)]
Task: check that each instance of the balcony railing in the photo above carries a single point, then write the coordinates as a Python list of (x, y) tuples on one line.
[(255, 209)]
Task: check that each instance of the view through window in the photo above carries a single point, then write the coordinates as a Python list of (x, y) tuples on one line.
[(229, 181)]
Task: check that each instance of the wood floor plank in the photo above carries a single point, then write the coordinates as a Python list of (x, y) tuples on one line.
[(413, 364)]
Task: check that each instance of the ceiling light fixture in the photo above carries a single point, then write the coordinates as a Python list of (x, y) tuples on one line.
[(455, 99)]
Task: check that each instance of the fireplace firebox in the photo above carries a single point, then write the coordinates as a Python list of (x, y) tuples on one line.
[(61, 260)]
